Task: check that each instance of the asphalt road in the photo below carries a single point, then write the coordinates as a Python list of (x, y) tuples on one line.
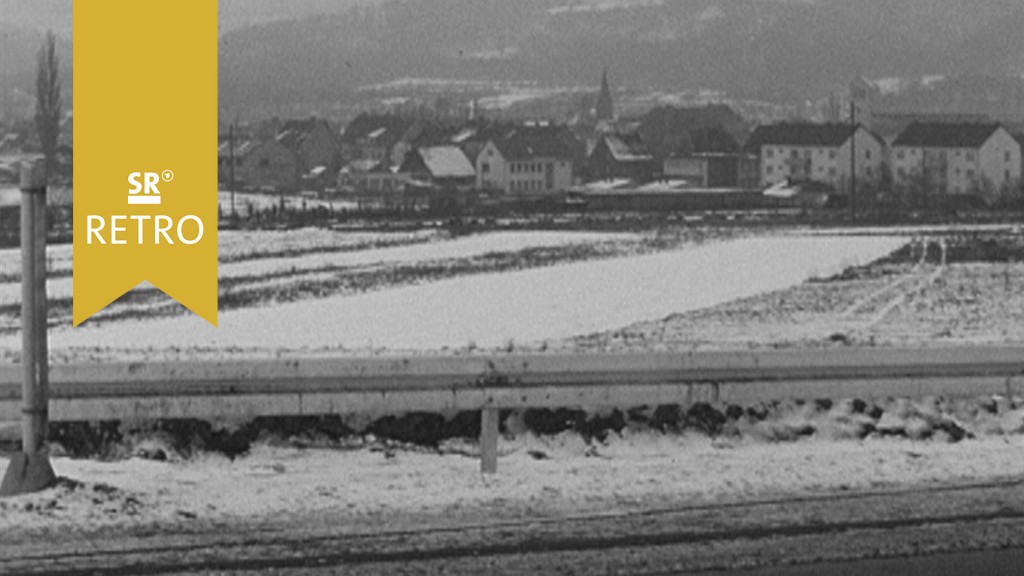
[(1008, 562), (938, 530)]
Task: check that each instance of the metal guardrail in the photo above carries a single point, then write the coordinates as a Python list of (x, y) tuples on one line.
[(288, 387)]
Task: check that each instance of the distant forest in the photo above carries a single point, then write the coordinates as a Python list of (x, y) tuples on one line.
[(317, 54)]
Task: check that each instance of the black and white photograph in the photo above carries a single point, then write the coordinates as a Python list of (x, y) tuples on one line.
[(574, 287)]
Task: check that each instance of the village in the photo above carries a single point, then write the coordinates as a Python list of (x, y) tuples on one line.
[(547, 286), (852, 157), (670, 158)]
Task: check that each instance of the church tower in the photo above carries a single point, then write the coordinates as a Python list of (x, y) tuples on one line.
[(605, 109), (862, 100)]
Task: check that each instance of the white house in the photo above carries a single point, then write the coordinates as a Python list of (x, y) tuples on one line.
[(525, 161), (956, 158), (816, 152)]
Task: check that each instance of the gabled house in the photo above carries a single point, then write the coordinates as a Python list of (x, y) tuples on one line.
[(371, 178), (621, 156), (422, 134), (314, 142), (375, 136), (665, 128), (225, 156), (440, 166), (711, 158), (800, 152), (526, 160), (270, 166), (956, 158)]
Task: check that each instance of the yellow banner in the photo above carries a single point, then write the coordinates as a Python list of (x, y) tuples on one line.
[(145, 141)]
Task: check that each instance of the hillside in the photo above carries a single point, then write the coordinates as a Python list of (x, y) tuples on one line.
[(316, 54), (766, 49)]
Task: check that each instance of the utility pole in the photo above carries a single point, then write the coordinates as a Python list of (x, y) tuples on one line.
[(30, 470), (853, 162)]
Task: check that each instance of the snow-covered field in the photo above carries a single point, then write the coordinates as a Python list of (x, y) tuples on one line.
[(411, 248), (464, 247), (492, 310), (234, 245), (970, 301), (634, 471)]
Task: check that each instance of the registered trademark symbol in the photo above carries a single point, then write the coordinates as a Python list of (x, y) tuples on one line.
[(167, 175)]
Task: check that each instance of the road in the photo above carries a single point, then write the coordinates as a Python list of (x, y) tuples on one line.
[(933, 530), (1006, 562)]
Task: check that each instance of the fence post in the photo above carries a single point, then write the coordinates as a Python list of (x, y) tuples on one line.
[(30, 470), (489, 440)]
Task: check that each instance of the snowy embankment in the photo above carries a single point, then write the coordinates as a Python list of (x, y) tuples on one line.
[(367, 486), (494, 310)]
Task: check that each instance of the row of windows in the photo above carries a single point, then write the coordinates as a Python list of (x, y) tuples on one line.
[(868, 170), (386, 184), (970, 155), (519, 167), (795, 153), (526, 185), (901, 173), (531, 167), (769, 169)]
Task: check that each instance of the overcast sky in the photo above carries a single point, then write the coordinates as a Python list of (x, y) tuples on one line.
[(40, 14), (56, 14)]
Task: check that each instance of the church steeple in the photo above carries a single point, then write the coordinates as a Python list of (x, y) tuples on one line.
[(605, 109)]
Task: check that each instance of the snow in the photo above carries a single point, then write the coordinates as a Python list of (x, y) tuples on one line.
[(490, 310), (245, 244), (464, 247), (639, 470), (918, 230), (55, 196), (506, 101), (246, 200)]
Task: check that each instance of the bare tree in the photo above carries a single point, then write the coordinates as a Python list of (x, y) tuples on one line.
[(48, 101)]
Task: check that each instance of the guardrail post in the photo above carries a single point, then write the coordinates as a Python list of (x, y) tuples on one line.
[(489, 440), (30, 470)]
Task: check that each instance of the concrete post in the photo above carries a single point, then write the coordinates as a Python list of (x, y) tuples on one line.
[(489, 440), (30, 470)]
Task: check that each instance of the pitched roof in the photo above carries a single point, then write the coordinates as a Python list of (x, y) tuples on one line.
[(524, 142), (294, 132), (712, 140), (305, 125), (800, 134), (664, 126), (259, 146), (241, 148), (385, 129), (627, 147), (446, 162), (944, 135), (363, 165)]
